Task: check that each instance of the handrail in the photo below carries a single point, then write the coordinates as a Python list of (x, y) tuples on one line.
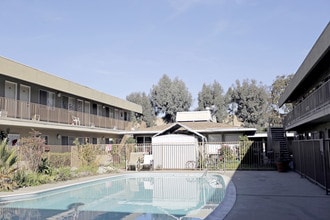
[(314, 102), (36, 112)]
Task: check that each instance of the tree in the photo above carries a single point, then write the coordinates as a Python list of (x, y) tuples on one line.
[(277, 89), (212, 95), (251, 101), (142, 99), (169, 97)]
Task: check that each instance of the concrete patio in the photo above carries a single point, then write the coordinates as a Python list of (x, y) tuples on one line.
[(274, 195)]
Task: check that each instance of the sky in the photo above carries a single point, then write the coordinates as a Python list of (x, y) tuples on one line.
[(124, 46)]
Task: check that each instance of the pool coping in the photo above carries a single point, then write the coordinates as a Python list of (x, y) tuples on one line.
[(222, 210)]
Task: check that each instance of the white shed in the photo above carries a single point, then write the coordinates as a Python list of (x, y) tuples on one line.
[(174, 151)]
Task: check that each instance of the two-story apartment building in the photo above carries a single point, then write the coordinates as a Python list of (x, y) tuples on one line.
[(309, 92), (60, 109)]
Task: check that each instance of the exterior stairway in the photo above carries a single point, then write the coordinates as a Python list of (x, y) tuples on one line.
[(278, 142)]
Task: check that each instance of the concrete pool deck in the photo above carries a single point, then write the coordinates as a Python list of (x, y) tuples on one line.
[(259, 195), (274, 195)]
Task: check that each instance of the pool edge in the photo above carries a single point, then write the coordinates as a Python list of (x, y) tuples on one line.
[(222, 210)]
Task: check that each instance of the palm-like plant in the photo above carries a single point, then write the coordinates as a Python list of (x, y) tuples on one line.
[(8, 159)]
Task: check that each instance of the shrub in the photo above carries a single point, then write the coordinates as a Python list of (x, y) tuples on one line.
[(57, 160), (44, 167), (8, 159), (62, 174), (32, 149), (28, 178)]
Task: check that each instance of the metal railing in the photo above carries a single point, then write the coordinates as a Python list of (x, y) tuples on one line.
[(36, 112), (311, 159), (241, 155), (216, 155), (316, 101)]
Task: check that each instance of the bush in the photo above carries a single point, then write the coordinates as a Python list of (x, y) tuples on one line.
[(8, 159), (32, 149), (25, 179), (44, 167), (62, 174), (57, 160)]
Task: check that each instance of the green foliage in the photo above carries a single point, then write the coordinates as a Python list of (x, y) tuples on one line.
[(277, 89), (62, 174), (44, 167), (212, 95), (244, 145), (227, 153), (8, 159), (4, 134), (170, 97), (25, 178), (147, 110), (130, 140), (251, 101)]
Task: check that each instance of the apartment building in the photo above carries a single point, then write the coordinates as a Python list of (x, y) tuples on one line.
[(59, 109), (309, 93)]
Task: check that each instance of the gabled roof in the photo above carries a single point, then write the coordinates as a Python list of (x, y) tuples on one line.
[(175, 127), (200, 127)]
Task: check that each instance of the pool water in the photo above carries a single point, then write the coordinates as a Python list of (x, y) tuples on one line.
[(140, 196)]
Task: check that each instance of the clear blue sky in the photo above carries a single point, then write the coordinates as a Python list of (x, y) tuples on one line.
[(124, 46)]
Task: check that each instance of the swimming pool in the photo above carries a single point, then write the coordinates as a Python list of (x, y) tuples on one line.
[(140, 196)]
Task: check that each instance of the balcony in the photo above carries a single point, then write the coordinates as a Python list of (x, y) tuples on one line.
[(21, 110), (314, 107)]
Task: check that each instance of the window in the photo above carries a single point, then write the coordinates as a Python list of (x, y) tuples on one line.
[(80, 105), (111, 113), (65, 102), (65, 140), (99, 110), (72, 104), (94, 109), (43, 97), (51, 100), (47, 98)]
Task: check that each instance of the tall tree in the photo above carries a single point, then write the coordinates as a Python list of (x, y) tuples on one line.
[(277, 89), (169, 97), (212, 95), (142, 99), (251, 101)]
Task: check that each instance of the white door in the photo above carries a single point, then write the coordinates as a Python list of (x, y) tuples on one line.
[(24, 97), (11, 98)]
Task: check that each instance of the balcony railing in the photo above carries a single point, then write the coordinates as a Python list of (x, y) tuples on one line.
[(17, 109), (315, 102)]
